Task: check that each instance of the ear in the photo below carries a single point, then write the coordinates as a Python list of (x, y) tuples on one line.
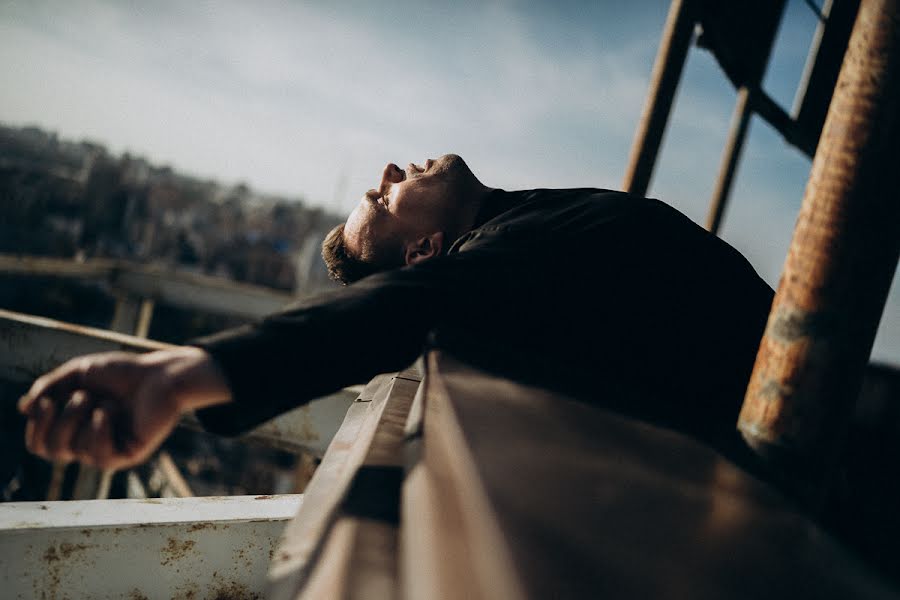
[(424, 248)]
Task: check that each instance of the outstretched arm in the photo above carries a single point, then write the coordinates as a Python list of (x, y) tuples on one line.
[(112, 410)]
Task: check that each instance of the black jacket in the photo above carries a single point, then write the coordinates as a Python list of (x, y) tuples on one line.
[(613, 299)]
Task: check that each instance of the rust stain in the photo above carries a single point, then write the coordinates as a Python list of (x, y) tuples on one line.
[(234, 591), (189, 594), (53, 557), (137, 595), (838, 268), (68, 549), (201, 526), (176, 550)]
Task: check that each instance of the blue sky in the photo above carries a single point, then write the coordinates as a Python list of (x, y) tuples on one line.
[(311, 99)]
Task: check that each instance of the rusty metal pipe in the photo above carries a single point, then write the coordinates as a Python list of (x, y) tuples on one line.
[(839, 267), (670, 58), (740, 121)]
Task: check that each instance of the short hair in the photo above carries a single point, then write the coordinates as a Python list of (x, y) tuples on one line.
[(343, 266)]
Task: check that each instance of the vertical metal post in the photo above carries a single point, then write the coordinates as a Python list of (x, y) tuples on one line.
[(126, 315), (676, 41), (839, 266), (145, 315), (736, 136)]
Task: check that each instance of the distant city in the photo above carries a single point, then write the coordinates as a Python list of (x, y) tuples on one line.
[(75, 199)]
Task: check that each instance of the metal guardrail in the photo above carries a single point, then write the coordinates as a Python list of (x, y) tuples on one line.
[(217, 547), (343, 542), (178, 288), (520, 492)]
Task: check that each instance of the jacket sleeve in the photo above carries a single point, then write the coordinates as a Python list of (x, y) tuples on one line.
[(340, 338)]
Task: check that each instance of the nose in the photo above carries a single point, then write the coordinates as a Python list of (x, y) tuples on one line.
[(391, 174)]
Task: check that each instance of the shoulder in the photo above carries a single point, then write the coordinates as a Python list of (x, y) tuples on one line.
[(565, 209), (528, 217)]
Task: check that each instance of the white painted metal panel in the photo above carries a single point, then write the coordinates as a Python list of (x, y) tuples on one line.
[(158, 548)]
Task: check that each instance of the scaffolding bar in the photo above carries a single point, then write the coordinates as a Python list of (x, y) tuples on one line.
[(839, 267), (821, 71), (740, 121), (676, 41)]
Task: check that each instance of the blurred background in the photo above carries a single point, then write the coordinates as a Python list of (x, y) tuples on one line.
[(225, 138)]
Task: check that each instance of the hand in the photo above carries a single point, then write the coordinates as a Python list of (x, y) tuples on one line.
[(112, 410)]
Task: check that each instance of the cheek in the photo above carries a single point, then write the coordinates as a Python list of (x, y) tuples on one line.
[(410, 205), (354, 228)]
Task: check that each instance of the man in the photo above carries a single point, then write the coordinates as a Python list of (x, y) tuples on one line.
[(615, 300)]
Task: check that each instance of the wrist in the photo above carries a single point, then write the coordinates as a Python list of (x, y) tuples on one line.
[(191, 376)]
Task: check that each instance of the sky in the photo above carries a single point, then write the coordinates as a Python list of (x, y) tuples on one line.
[(311, 99)]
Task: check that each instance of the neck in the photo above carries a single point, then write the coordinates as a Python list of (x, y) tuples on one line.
[(468, 212)]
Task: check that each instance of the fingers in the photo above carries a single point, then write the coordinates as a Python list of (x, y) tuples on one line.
[(42, 416), (88, 408), (102, 443), (75, 415), (100, 450), (51, 432), (108, 373), (59, 382), (82, 430)]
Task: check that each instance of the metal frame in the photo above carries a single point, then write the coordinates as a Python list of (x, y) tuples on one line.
[(178, 288), (839, 268), (796, 129), (673, 49), (332, 549)]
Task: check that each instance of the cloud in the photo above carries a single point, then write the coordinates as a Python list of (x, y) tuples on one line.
[(337, 84), (313, 98)]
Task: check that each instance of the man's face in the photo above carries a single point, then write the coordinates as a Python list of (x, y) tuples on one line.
[(406, 204)]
